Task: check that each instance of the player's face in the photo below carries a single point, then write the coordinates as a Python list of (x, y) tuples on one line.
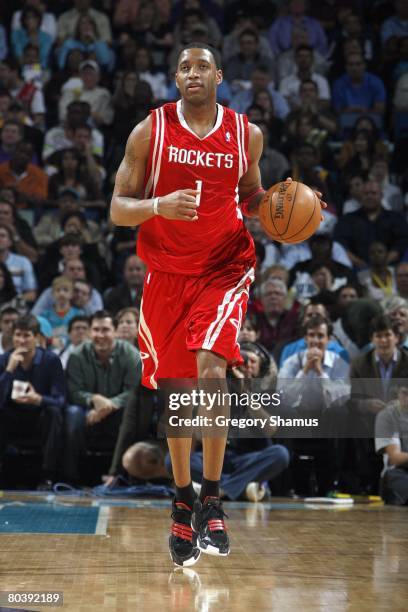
[(197, 76)]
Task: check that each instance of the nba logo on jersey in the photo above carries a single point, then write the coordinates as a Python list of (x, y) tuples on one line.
[(227, 136)]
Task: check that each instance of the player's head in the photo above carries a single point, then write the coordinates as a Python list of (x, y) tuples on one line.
[(198, 73)]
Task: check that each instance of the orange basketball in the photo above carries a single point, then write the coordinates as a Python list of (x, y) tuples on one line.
[(290, 212)]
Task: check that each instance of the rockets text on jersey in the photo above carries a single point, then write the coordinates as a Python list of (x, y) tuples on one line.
[(213, 165)]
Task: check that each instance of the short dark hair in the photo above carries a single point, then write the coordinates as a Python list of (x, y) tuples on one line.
[(199, 45), (382, 323), (315, 321), (78, 319), (27, 11), (100, 314), (28, 323), (8, 310)]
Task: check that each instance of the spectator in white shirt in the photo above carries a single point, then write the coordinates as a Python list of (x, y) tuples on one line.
[(289, 85)]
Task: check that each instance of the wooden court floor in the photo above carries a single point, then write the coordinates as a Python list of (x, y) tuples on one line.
[(284, 558)]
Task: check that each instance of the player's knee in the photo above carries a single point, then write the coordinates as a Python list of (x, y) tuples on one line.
[(210, 365)]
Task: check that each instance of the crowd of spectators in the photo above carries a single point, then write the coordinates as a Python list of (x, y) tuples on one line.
[(327, 83)]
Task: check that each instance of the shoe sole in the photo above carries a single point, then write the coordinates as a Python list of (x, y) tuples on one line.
[(188, 562), (208, 549)]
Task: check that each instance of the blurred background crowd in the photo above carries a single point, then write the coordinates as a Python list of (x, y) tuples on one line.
[(327, 83)]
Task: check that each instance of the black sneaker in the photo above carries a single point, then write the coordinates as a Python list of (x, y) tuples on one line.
[(183, 540), (207, 521)]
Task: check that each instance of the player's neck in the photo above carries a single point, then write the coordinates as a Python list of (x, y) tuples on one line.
[(201, 119)]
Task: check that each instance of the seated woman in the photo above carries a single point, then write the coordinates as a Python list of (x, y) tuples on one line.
[(87, 39), (131, 101), (30, 33), (372, 133), (71, 174)]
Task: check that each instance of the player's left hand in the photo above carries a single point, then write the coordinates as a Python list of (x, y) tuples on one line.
[(318, 193)]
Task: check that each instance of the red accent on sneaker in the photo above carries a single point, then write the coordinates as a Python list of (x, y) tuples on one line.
[(183, 505), (182, 531), (216, 525), (210, 497)]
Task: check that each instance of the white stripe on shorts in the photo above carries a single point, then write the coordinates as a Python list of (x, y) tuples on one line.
[(224, 310), (146, 336)]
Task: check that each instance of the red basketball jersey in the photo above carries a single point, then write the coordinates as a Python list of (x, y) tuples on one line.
[(179, 159)]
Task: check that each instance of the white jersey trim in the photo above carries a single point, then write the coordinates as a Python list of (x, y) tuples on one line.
[(156, 140), (160, 153), (183, 122)]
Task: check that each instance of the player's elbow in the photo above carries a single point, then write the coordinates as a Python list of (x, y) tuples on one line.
[(115, 212)]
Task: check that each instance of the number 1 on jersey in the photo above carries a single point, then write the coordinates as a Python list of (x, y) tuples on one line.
[(199, 185)]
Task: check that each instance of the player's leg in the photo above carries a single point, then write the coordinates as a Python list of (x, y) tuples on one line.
[(213, 326), (165, 356), (208, 516), (213, 367)]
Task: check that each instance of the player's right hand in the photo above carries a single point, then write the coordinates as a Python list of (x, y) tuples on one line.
[(180, 205)]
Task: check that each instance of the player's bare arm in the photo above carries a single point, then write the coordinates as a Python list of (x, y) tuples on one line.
[(250, 186), (128, 208)]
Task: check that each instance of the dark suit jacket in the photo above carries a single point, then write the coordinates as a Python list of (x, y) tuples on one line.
[(366, 378), (119, 297)]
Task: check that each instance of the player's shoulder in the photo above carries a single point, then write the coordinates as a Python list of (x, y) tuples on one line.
[(144, 128), (255, 132)]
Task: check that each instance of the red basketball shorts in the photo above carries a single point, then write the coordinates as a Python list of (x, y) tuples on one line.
[(181, 314)]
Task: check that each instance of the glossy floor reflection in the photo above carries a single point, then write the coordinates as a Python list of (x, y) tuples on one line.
[(285, 557)]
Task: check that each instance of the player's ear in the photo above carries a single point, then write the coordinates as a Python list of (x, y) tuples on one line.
[(219, 77), (175, 80)]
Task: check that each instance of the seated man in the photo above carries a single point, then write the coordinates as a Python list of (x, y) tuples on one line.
[(292, 348), (314, 382), (32, 395), (276, 323), (373, 377), (101, 374), (356, 231), (391, 439), (358, 91)]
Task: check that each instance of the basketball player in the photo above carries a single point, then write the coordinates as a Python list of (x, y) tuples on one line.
[(189, 174)]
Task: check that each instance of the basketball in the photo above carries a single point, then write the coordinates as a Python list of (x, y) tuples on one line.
[(290, 212)]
